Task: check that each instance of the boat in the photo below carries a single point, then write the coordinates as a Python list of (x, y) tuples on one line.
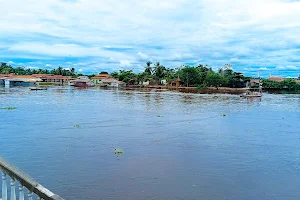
[(253, 92), (38, 88), (71, 83)]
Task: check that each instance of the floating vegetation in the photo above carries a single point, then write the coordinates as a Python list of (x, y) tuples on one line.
[(9, 108), (76, 126), (223, 115), (118, 152)]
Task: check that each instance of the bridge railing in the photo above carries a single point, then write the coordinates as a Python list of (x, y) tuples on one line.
[(24, 182)]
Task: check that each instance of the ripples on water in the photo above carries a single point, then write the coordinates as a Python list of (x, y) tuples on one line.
[(176, 145)]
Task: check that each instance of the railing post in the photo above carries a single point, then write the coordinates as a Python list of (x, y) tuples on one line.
[(13, 189), (24, 181), (21, 192), (4, 187), (30, 195)]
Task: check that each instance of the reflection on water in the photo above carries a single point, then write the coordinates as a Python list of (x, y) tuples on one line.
[(177, 145)]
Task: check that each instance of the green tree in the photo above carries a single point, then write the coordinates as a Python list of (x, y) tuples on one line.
[(289, 84), (215, 79), (5, 70), (127, 76), (103, 73), (115, 75), (190, 75)]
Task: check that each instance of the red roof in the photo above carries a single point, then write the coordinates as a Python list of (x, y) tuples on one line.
[(101, 76), (276, 78)]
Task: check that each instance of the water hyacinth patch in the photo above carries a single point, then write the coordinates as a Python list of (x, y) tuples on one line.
[(76, 126), (9, 108), (118, 151)]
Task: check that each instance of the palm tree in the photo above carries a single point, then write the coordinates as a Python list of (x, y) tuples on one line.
[(40, 71), (73, 71), (59, 70), (159, 71), (148, 68)]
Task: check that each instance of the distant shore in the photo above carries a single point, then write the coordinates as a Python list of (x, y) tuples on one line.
[(208, 90)]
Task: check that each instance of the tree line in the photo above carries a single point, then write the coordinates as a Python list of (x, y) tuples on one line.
[(289, 84), (199, 76), (8, 69)]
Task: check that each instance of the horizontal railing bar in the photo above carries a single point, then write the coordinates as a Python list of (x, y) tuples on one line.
[(27, 181)]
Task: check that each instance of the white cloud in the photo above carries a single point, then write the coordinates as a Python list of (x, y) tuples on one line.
[(142, 56), (246, 33), (125, 63), (287, 68), (234, 60), (263, 69)]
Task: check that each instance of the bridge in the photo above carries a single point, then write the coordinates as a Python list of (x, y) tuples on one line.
[(27, 187)]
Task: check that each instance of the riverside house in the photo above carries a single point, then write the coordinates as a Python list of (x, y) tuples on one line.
[(98, 78), (175, 83), (112, 82), (18, 80), (55, 79)]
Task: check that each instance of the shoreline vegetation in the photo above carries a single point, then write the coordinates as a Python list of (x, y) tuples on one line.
[(194, 79)]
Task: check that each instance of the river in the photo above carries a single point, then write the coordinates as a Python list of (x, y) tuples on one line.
[(175, 145)]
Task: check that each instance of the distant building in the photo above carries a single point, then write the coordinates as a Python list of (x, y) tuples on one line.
[(83, 81), (254, 82), (112, 82), (56, 79), (175, 83), (98, 78), (18, 80), (163, 82)]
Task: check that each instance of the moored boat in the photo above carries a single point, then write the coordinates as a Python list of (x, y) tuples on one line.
[(38, 88), (83, 81), (253, 92)]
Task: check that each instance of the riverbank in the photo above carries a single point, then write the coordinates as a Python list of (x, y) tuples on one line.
[(208, 90)]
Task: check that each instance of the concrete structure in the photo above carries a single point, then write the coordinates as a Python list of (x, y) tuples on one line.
[(34, 189), (144, 83), (163, 82)]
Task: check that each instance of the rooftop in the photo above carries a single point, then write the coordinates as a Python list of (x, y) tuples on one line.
[(276, 78), (101, 76)]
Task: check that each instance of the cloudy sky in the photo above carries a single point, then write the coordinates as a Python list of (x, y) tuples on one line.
[(97, 35)]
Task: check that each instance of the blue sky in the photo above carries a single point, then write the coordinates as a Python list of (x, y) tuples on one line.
[(98, 35)]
